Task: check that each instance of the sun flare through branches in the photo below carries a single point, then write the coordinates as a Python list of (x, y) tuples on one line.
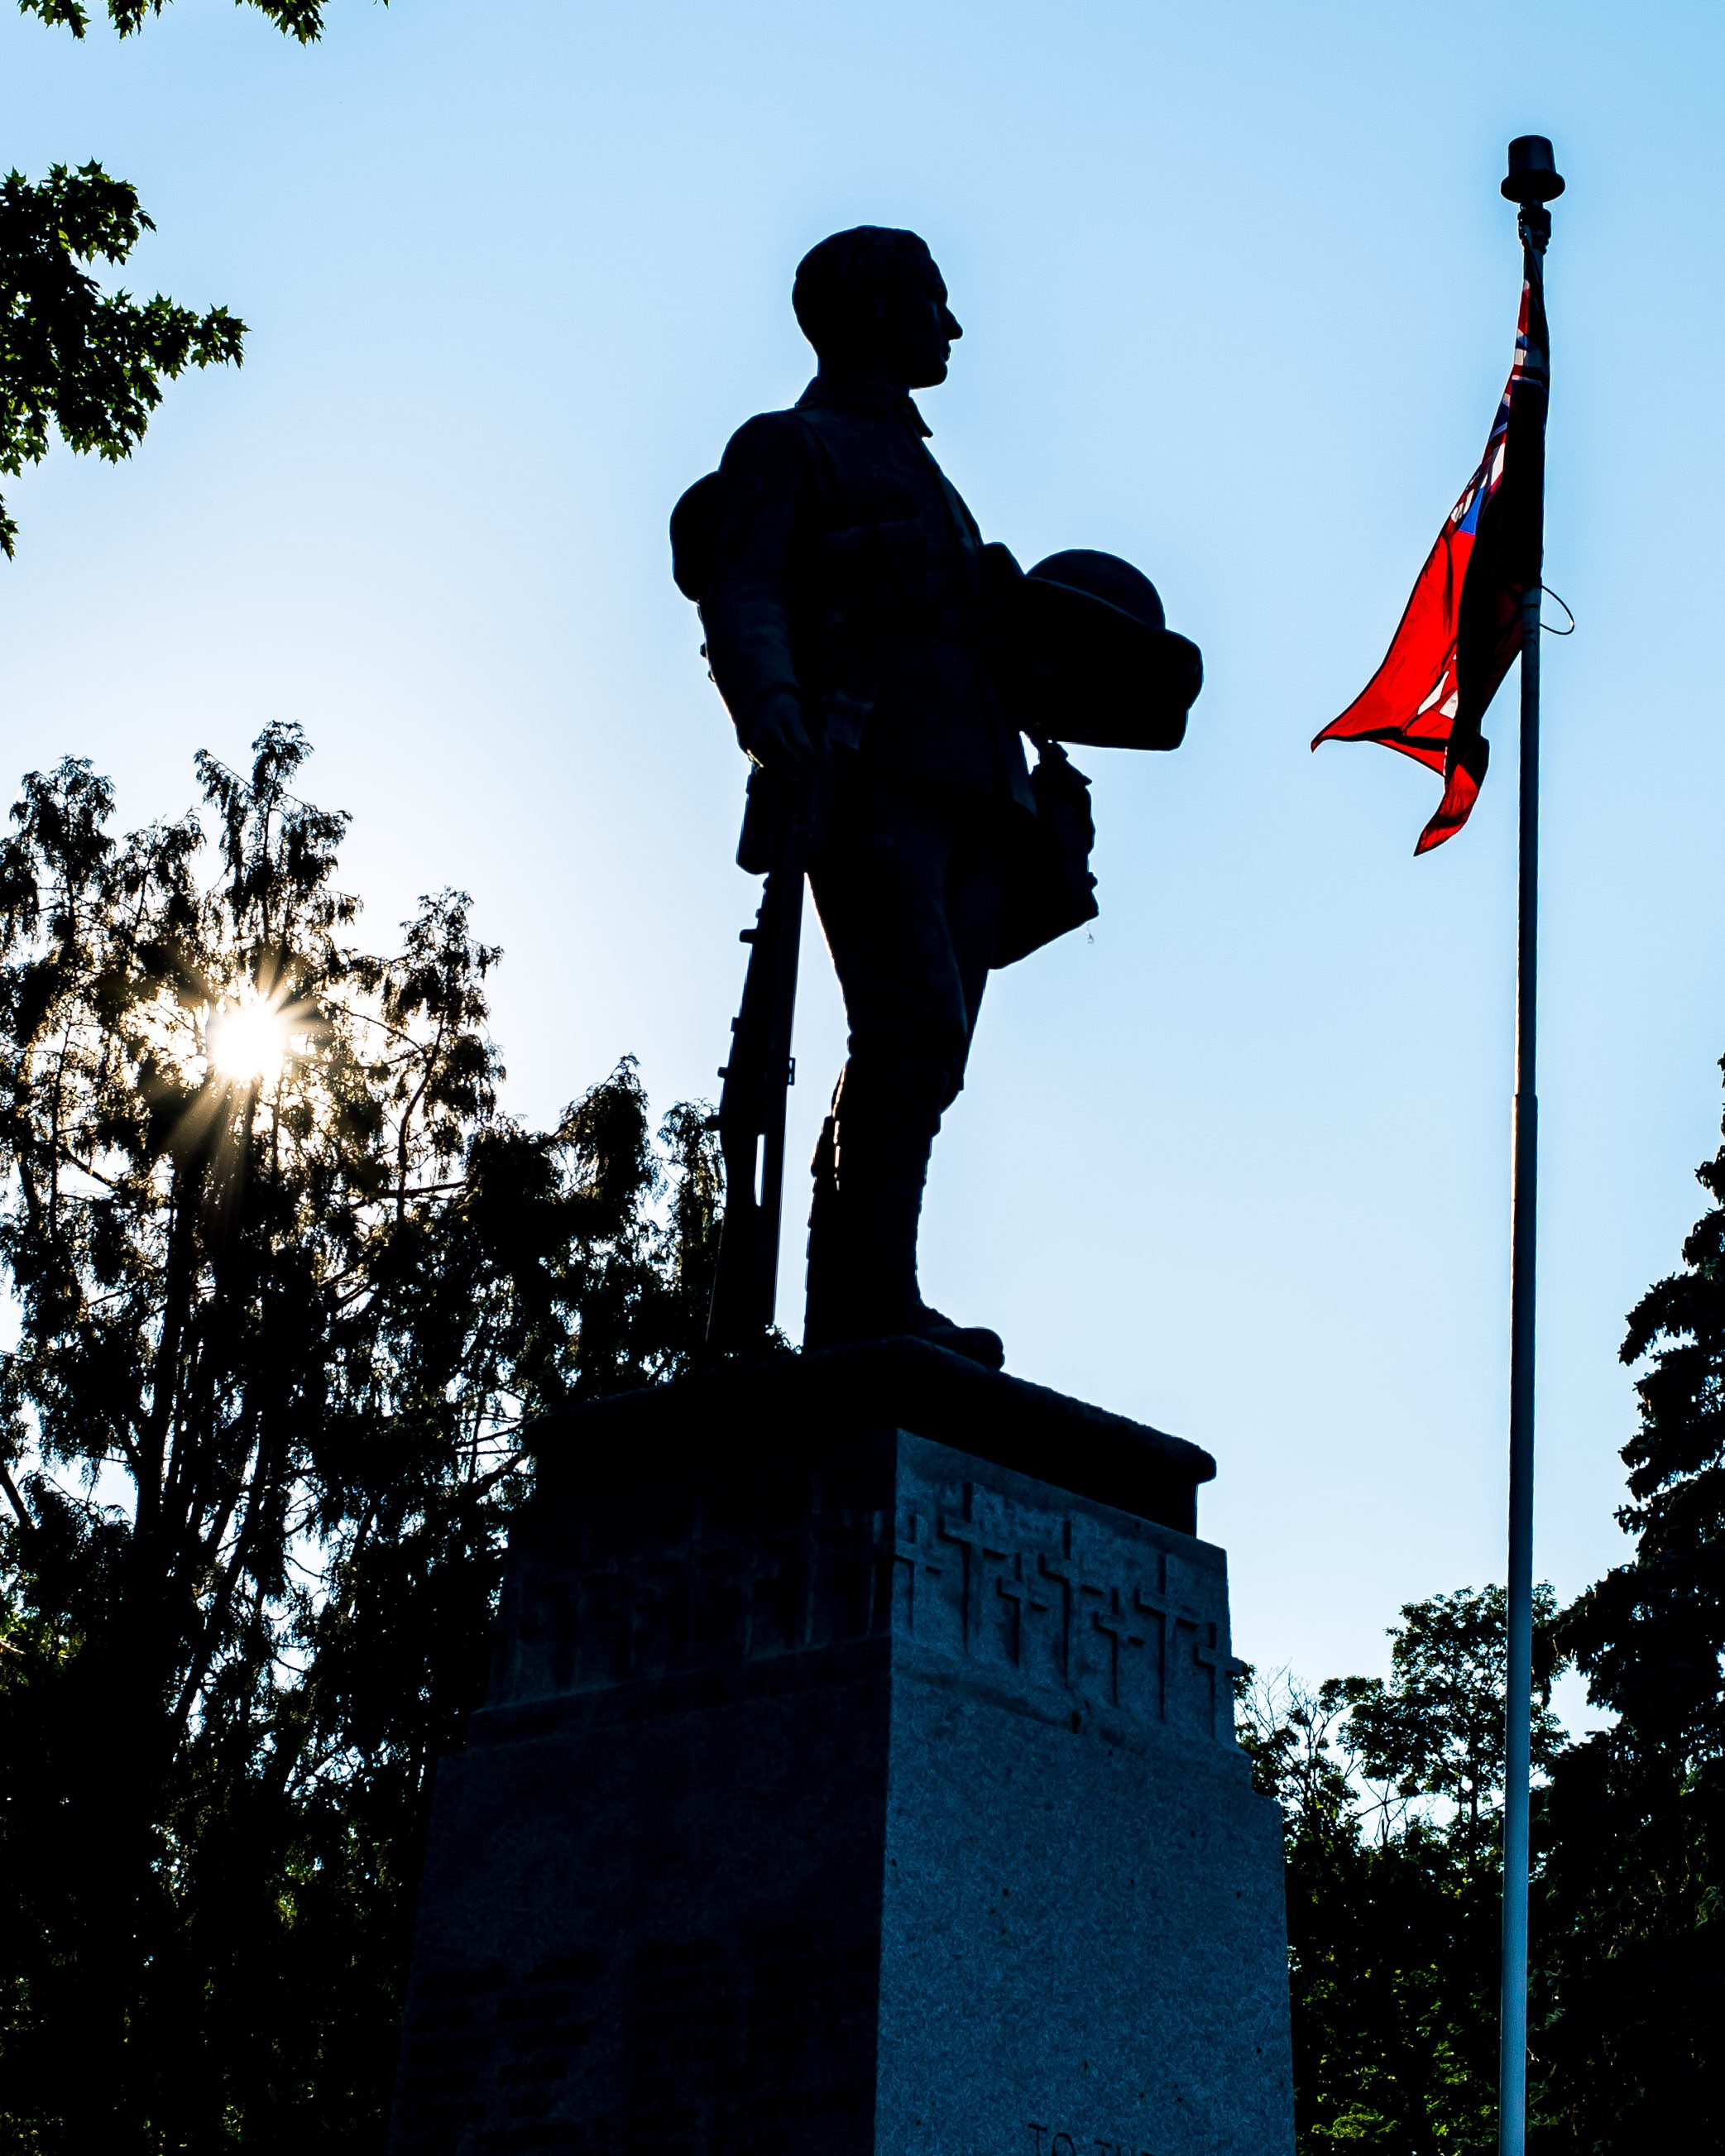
[(246, 1040)]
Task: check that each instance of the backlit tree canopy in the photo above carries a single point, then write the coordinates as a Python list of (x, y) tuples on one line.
[(286, 1284)]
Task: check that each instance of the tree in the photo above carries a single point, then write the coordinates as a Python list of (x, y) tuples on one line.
[(302, 19), (1634, 2017), (1391, 1794), (1435, 1731), (289, 1284), (89, 363)]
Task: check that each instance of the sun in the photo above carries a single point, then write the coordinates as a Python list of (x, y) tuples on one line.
[(246, 1041)]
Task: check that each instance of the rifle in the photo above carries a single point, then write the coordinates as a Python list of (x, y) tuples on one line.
[(752, 1104)]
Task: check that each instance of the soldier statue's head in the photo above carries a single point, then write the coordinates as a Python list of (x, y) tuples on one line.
[(874, 305)]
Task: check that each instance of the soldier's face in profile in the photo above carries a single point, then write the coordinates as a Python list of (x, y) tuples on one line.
[(917, 327)]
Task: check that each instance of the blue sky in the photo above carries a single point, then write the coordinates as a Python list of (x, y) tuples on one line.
[(1239, 293)]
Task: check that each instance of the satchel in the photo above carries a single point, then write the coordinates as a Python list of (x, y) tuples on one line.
[(1050, 887)]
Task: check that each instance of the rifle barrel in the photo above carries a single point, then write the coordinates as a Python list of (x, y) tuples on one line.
[(752, 1106)]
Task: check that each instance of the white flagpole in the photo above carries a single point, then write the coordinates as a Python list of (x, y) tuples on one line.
[(1533, 181)]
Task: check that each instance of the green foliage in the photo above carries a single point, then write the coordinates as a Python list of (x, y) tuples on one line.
[(281, 1318), (1391, 1792), (302, 19), (1435, 1728), (1635, 1880), (87, 362)]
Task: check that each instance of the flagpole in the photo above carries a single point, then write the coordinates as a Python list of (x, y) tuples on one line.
[(1533, 180)]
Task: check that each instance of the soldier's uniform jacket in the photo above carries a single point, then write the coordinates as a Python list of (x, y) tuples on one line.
[(844, 565)]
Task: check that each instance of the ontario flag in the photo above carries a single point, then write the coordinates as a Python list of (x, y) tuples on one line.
[(1463, 624)]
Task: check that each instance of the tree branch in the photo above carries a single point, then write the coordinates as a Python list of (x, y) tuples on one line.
[(14, 1497)]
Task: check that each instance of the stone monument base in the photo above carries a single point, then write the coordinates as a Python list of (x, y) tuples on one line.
[(857, 1775)]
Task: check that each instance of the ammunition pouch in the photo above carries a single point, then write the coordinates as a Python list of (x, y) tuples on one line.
[(1050, 888)]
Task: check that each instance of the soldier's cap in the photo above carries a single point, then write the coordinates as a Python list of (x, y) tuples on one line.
[(1116, 584), (1096, 661)]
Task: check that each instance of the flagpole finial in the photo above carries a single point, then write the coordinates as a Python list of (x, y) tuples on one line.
[(1533, 176)]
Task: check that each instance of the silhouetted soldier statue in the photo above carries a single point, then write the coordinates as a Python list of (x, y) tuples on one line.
[(880, 661)]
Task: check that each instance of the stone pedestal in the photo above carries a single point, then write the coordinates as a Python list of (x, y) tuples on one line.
[(857, 1775)]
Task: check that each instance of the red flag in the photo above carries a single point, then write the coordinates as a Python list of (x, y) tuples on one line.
[(1463, 624)]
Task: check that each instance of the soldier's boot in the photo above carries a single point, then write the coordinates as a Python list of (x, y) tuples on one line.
[(862, 1245)]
